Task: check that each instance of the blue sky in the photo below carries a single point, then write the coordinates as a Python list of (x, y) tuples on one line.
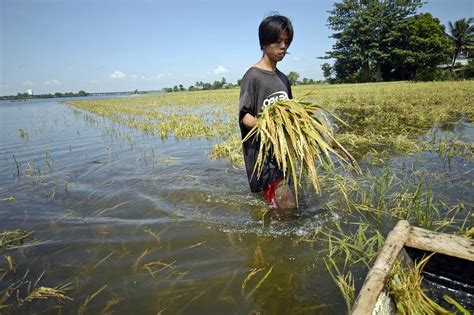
[(104, 45)]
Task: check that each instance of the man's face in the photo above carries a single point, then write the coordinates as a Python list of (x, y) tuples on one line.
[(276, 51)]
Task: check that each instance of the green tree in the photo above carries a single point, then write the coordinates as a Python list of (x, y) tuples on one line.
[(181, 88), (327, 71), (462, 36), (199, 84), (216, 85), (293, 77), (82, 93), (469, 70), (422, 47), (362, 29)]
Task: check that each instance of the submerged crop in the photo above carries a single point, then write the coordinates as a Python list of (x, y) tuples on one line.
[(382, 118)]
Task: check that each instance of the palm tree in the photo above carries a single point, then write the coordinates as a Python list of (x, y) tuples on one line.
[(462, 35)]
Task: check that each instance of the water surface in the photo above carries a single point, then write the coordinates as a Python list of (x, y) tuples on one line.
[(157, 226)]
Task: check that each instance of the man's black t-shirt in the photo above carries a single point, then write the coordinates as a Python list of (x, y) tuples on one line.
[(260, 88)]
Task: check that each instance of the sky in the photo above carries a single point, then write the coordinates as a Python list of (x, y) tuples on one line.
[(121, 45)]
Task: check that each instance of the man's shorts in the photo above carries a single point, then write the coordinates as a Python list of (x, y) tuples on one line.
[(270, 179), (269, 191)]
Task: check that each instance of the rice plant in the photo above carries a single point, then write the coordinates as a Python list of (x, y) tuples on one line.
[(297, 138), (88, 300), (404, 287), (347, 250), (22, 292), (10, 238), (344, 281)]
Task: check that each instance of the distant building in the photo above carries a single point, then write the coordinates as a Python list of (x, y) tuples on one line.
[(462, 59), (29, 92)]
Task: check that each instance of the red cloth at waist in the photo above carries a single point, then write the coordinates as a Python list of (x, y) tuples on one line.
[(269, 192)]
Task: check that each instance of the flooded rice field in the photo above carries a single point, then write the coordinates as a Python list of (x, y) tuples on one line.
[(110, 218)]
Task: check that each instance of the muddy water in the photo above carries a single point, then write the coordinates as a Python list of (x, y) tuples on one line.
[(152, 225)]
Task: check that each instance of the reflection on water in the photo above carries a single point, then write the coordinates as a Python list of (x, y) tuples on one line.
[(131, 222)]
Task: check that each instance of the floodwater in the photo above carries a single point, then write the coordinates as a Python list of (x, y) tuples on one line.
[(135, 224)]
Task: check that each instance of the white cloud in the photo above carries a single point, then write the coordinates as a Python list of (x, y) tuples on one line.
[(196, 76), (52, 82), (220, 70), (28, 82), (152, 77), (117, 75), (134, 76), (157, 77)]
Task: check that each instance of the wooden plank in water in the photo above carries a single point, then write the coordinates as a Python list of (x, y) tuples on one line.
[(377, 276), (405, 235), (447, 244)]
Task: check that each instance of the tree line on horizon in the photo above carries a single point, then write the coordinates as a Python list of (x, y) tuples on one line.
[(293, 76), (200, 86), (387, 41), (21, 96)]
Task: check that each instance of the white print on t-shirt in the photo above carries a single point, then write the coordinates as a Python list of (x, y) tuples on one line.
[(274, 97)]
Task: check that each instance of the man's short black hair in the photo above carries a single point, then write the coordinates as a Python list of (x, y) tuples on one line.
[(271, 27)]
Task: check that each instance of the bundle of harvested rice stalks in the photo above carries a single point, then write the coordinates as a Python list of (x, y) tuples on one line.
[(297, 138)]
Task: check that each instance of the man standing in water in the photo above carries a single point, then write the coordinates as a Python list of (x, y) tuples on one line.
[(262, 85)]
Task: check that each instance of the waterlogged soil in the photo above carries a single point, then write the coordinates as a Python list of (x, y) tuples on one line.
[(133, 223)]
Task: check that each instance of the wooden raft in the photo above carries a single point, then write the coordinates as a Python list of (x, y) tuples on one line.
[(405, 235)]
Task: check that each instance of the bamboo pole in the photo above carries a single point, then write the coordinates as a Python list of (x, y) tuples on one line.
[(378, 274), (451, 245)]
